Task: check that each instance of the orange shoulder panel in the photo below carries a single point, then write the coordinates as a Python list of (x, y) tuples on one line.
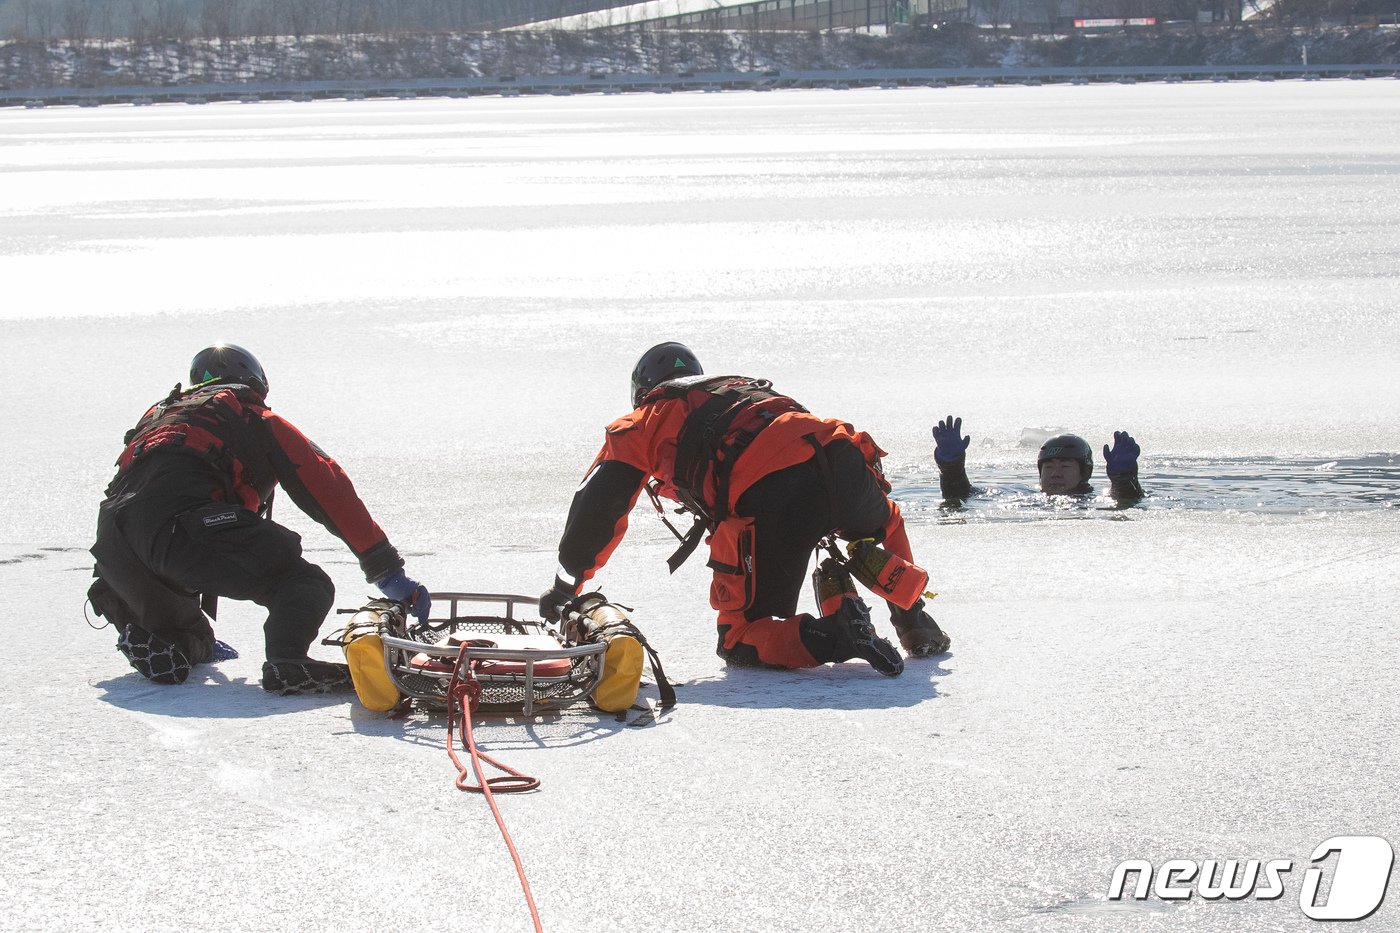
[(784, 443), (646, 439)]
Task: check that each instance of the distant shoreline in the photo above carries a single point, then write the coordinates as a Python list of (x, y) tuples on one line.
[(568, 85), (470, 61)]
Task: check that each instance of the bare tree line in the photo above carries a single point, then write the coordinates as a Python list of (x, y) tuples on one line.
[(150, 20), (1033, 16), (180, 19)]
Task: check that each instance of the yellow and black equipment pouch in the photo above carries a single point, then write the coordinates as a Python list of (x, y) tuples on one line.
[(886, 574), (364, 653), (591, 618)]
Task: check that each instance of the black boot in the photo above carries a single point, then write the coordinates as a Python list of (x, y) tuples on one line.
[(917, 631), (303, 675), (194, 645), (154, 658), (848, 633)]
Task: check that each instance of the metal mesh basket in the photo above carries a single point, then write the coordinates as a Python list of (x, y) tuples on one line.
[(522, 664)]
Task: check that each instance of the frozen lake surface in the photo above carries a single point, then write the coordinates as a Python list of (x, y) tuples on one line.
[(449, 295), (1009, 490)]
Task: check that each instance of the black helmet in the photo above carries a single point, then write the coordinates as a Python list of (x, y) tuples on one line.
[(1068, 447), (662, 362), (228, 362)]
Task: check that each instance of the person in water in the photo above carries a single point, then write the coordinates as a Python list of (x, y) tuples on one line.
[(1065, 464)]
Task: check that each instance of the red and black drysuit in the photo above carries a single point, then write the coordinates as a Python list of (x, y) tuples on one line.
[(771, 479), (186, 515)]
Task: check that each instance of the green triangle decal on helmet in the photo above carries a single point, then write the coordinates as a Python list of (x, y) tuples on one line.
[(662, 363), (229, 363)]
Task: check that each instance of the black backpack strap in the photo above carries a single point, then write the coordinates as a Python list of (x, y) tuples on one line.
[(689, 540), (663, 686), (625, 625), (824, 467), (697, 445), (689, 543), (708, 441)]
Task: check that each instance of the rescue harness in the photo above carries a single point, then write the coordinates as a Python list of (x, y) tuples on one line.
[(205, 422), (727, 414)]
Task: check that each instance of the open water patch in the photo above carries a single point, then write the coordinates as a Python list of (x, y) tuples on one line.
[(1265, 485)]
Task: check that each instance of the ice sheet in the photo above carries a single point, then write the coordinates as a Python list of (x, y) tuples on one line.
[(448, 296)]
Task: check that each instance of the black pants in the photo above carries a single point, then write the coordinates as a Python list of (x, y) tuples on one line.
[(792, 510), (155, 563)]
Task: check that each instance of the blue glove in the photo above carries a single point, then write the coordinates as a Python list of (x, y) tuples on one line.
[(949, 444), (399, 587), (554, 599), (222, 651), (1122, 459)]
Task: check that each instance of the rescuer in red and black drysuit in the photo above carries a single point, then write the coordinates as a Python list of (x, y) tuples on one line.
[(769, 480), (186, 514)]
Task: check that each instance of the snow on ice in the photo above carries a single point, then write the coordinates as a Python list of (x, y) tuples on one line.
[(448, 296)]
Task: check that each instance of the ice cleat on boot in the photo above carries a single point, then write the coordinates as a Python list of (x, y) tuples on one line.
[(296, 676), (154, 658), (856, 638), (918, 633)]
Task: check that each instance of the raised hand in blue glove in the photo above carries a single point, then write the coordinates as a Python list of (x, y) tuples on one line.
[(1122, 459), (949, 444), (400, 587), (553, 600)]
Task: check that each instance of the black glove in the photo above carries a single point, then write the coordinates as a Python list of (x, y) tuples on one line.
[(554, 599)]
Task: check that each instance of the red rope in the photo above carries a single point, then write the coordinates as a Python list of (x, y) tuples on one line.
[(463, 697)]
